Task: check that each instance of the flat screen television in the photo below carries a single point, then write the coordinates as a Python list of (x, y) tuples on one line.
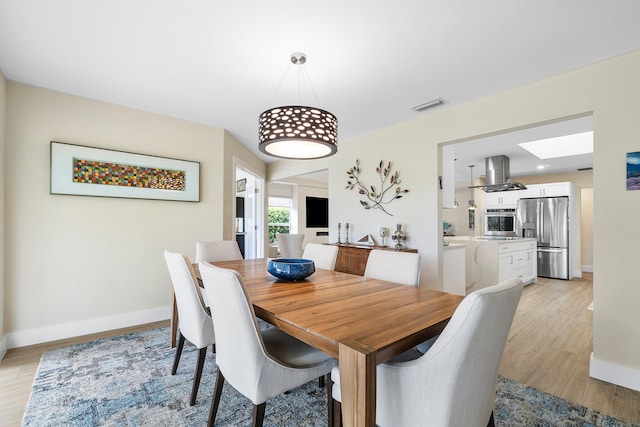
[(317, 212)]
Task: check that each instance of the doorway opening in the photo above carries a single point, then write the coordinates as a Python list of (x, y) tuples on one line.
[(249, 212)]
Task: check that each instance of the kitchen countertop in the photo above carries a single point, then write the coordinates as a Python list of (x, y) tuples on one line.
[(459, 239)]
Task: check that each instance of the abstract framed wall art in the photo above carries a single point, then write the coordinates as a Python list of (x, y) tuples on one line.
[(90, 171), (633, 171)]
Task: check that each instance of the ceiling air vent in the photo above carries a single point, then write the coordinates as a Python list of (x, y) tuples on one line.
[(431, 104)]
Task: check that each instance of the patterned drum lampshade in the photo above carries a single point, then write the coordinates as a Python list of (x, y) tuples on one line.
[(298, 132)]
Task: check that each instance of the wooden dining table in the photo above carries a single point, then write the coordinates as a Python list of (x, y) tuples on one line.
[(360, 321)]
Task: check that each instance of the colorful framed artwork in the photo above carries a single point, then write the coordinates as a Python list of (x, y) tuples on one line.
[(241, 185), (89, 171), (633, 171)]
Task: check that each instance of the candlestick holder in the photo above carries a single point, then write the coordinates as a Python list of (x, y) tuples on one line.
[(384, 232)]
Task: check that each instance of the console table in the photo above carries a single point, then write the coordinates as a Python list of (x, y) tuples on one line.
[(352, 259)]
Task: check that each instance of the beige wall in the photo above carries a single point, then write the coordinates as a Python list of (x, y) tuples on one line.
[(77, 258), (586, 228), (609, 90), (3, 117)]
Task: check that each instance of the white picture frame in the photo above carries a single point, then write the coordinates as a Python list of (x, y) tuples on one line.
[(114, 172)]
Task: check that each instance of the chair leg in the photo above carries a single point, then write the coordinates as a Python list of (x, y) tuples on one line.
[(216, 399), (176, 358), (202, 353), (329, 400), (337, 413), (258, 414), (491, 421)]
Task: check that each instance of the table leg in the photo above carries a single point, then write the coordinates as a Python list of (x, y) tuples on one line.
[(174, 319), (357, 384)]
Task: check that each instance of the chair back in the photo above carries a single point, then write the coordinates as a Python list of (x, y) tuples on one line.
[(240, 351), (454, 383), (323, 256), (194, 321), (394, 266), (290, 245), (224, 250)]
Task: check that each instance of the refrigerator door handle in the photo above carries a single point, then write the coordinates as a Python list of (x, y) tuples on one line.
[(551, 250), (541, 230)]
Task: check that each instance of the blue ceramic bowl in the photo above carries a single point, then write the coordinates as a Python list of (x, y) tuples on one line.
[(291, 269)]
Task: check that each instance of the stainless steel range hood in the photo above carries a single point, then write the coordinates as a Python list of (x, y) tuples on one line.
[(497, 176)]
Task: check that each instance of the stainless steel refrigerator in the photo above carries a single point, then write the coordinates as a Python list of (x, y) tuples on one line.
[(547, 220)]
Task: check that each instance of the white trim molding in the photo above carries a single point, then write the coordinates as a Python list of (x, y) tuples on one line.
[(3, 347), (587, 268), (614, 374), (86, 326)]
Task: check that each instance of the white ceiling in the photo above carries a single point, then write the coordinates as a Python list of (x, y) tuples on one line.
[(221, 63)]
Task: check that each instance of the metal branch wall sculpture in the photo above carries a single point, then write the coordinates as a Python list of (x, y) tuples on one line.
[(389, 190)]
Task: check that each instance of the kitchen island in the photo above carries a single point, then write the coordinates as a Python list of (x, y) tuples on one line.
[(489, 261)]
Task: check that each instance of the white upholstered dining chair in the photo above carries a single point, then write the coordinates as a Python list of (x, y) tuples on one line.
[(260, 364), (323, 256), (222, 250), (217, 251), (394, 266), (290, 245), (454, 382), (214, 251), (194, 320)]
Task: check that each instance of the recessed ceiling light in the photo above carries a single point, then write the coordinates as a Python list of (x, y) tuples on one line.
[(540, 167), (561, 146)]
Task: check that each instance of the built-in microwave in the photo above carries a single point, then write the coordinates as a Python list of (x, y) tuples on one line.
[(500, 222)]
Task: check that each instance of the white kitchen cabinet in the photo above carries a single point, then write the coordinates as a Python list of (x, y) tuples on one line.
[(501, 199), (554, 189), (517, 259)]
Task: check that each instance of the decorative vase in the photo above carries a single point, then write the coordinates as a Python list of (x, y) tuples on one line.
[(399, 236)]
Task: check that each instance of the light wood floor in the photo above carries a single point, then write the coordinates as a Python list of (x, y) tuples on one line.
[(549, 348), (550, 345)]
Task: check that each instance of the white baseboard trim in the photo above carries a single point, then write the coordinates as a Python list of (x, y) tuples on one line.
[(587, 268), (577, 273), (3, 347), (87, 326), (614, 374)]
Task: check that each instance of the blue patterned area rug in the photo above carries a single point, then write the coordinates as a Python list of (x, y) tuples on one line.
[(126, 381)]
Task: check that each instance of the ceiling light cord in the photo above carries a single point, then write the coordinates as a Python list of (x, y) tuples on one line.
[(299, 60), (284, 77)]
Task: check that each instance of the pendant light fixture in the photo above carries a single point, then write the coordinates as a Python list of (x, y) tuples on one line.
[(297, 131), (471, 204)]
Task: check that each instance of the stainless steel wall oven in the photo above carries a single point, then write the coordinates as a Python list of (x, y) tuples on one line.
[(500, 222)]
